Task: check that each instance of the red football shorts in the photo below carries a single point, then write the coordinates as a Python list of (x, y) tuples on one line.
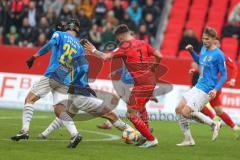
[(140, 95)]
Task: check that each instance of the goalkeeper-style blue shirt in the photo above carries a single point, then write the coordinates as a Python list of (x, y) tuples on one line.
[(211, 63), (65, 47)]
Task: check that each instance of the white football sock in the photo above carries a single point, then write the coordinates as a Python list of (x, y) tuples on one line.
[(108, 123), (27, 116), (120, 125), (200, 116), (236, 127), (184, 125), (57, 123), (68, 123)]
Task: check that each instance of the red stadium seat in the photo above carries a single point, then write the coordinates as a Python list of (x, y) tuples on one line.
[(197, 26), (183, 54), (94, 2), (178, 13), (181, 3), (221, 3), (200, 2), (200, 13), (175, 26), (125, 4), (230, 47), (109, 4), (233, 3), (170, 46), (197, 14)]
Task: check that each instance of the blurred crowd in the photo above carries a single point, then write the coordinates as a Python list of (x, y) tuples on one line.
[(232, 29), (31, 23)]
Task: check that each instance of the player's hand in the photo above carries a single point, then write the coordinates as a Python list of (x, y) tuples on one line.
[(83, 41), (154, 67), (232, 82), (112, 74), (191, 71), (30, 62), (89, 47), (212, 93), (189, 47)]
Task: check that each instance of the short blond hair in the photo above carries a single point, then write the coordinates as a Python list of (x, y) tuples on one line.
[(211, 32)]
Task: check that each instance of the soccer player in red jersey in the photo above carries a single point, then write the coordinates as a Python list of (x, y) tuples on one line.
[(138, 57), (216, 102)]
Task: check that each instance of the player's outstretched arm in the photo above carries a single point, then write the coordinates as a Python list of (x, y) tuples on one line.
[(158, 56), (89, 47), (190, 49), (45, 49)]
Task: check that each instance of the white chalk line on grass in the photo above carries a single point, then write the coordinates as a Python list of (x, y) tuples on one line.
[(17, 117), (110, 137)]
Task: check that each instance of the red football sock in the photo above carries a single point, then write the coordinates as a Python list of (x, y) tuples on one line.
[(208, 112), (144, 116), (141, 127), (225, 117)]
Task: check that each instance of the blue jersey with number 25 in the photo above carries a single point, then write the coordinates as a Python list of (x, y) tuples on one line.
[(65, 47)]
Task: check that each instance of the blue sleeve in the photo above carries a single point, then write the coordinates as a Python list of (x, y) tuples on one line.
[(139, 15), (195, 56), (119, 70), (222, 70), (47, 47), (78, 74)]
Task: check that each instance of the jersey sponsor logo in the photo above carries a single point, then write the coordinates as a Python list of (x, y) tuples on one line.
[(55, 35), (209, 58)]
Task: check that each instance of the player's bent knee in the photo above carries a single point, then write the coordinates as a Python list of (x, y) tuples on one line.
[(178, 110), (31, 98), (112, 117), (58, 109), (186, 112), (218, 110), (131, 112), (180, 107)]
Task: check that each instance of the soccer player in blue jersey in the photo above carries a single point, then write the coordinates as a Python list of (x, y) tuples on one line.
[(65, 46), (212, 62), (82, 98), (58, 82)]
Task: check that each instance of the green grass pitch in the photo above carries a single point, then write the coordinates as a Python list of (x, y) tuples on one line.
[(95, 147)]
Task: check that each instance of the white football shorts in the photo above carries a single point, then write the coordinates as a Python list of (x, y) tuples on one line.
[(196, 99)]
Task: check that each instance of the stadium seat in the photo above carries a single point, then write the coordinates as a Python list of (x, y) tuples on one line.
[(197, 26), (125, 4), (229, 46), (170, 46), (109, 4), (183, 54), (181, 3), (221, 3), (197, 14), (200, 2), (233, 3)]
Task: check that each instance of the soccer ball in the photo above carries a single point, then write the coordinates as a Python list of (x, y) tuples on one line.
[(129, 136)]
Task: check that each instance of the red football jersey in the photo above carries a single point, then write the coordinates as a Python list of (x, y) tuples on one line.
[(231, 68), (138, 58)]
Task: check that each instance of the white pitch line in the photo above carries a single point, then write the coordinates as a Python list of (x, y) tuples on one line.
[(111, 137), (16, 117)]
